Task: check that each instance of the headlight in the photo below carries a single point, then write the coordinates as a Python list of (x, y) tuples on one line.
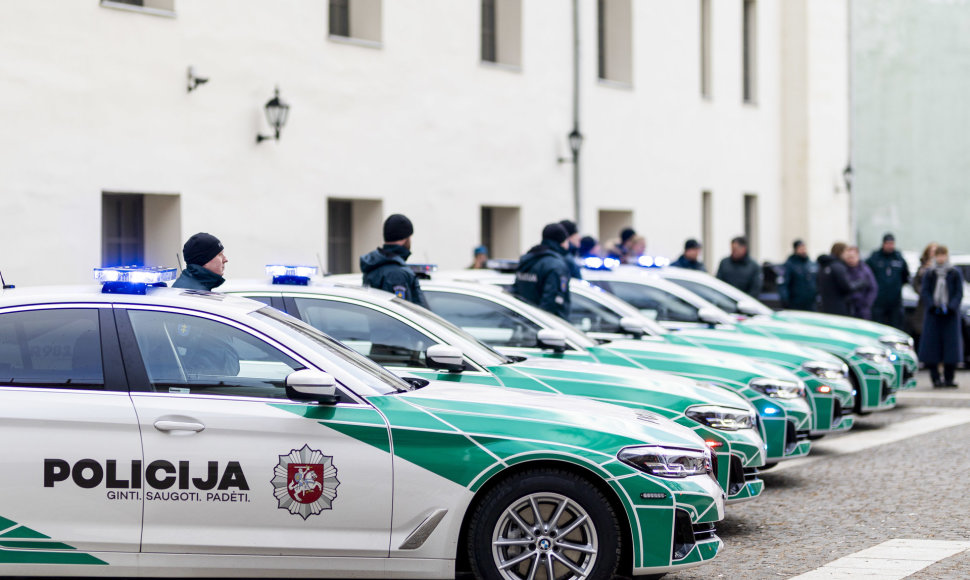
[(778, 389), (667, 461), (826, 370), (722, 418), (896, 342), (874, 354)]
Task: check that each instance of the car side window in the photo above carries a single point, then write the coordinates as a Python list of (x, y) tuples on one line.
[(382, 338), (654, 303), (590, 316), (57, 348), (725, 303), (489, 322), (189, 354)]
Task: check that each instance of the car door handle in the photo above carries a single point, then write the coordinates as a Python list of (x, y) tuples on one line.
[(168, 426)]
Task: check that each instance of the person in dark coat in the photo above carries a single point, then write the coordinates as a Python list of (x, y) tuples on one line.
[(942, 341), (862, 282), (589, 247), (385, 267), (739, 270), (621, 248), (891, 274), (926, 263), (572, 249), (205, 263), (833, 282), (542, 277), (688, 260), (798, 290)]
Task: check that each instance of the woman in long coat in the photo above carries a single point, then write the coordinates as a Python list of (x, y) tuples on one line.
[(942, 340), (926, 263)]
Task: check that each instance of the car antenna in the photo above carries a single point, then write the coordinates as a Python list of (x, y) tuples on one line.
[(4, 284), (179, 261), (320, 263)]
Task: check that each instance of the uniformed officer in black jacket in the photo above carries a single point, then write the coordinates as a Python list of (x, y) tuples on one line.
[(892, 273), (385, 268), (542, 277), (205, 263)]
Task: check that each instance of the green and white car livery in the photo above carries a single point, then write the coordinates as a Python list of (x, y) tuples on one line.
[(408, 340), (184, 432), (734, 301)]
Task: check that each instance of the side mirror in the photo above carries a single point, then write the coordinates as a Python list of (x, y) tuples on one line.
[(709, 315), (311, 386), (550, 339), (444, 357), (749, 307), (630, 325)]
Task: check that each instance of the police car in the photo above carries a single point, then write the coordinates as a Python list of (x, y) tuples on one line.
[(752, 311), (412, 341), (155, 431), (870, 362)]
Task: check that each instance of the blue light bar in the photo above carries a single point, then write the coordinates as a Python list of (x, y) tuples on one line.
[(652, 261), (132, 279), (423, 270), (291, 275), (597, 263), (502, 265)]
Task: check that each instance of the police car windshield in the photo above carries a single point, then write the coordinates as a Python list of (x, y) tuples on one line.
[(470, 346), (715, 297), (361, 367)]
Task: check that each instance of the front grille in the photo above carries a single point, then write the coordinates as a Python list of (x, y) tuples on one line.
[(887, 389), (791, 437), (704, 532), (907, 373), (736, 480), (683, 535), (751, 473)]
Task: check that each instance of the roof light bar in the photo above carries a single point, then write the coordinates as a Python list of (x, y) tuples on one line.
[(597, 263), (652, 261), (132, 279), (502, 265), (291, 275), (423, 270)]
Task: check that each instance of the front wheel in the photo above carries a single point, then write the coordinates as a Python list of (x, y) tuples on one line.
[(544, 524)]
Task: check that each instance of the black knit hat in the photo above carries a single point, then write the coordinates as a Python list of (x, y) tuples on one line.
[(691, 244), (554, 232), (201, 248), (570, 227), (397, 227), (626, 234)]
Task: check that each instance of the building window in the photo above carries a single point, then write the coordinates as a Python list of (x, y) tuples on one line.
[(502, 32), (611, 223), (354, 227), (500, 228), (614, 40), (705, 47), (751, 222), (157, 7), (140, 229), (749, 55), (360, 20)]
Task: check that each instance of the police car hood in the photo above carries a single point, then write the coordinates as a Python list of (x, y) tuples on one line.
[(501, 412), (615, 381), (757, 346), (832, 339)]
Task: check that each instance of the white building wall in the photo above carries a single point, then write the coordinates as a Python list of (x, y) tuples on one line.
[(93, 99)]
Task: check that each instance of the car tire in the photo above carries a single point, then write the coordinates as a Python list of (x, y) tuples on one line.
[(577, 530)]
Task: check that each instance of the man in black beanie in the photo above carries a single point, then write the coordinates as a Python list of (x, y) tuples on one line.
[(384, 268), (542, 277), (205, 263)]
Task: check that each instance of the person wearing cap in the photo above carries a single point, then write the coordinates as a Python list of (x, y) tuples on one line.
[(621, 248), (542, 277), (572, 248), (479, 258), (798, 288), (739, 270), (892, 273), (205, 263), (688, 260), (385, 267)]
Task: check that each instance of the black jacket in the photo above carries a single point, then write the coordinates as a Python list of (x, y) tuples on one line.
[(942, 338), (683, 262), (798, 290), (743, 274), (833, 285), (385, 269), (195, 277), (542, 278), (891, 274)]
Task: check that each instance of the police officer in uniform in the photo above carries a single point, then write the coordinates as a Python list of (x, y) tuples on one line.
[(205, 263), (542, 277), (385, 268), (891, 274)]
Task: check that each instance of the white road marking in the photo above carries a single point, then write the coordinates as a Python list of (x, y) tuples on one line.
[(892, 560), (941, 418)]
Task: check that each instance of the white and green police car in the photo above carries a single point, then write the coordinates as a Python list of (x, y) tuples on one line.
[(153, 431)]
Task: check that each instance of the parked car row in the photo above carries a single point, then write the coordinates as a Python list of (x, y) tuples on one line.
[(304, 425)]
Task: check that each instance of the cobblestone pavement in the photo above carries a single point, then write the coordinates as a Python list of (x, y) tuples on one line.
[(818, 511)]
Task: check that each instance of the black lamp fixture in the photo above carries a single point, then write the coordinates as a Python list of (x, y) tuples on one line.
[(575, 139), (194, 81), (276, 113)]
